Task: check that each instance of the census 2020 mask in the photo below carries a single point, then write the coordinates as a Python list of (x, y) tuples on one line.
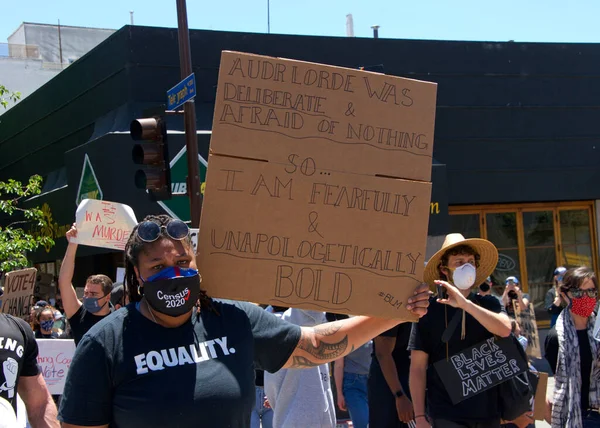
[(464, 276), (173, 291)]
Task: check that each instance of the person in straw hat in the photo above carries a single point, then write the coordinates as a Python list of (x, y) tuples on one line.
[(463, 319)]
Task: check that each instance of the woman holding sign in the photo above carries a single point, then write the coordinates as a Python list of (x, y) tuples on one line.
[(174, 355), (574, 355)]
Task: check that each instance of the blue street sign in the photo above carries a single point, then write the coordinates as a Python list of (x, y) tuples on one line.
[(182, 92)]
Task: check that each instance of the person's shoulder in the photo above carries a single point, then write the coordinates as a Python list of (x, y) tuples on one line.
[(112, 324), (488, 301), (10, 321)]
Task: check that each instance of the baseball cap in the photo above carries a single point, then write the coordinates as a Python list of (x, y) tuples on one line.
[(513, 279), (41, 304), (560, 270)]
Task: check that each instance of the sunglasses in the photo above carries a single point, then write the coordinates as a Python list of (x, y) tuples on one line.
[(149, 231), (577, 294)]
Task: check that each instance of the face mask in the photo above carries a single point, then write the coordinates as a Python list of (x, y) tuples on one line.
[(47, 325), (173, 291), (464, 277), (485, 287), (91, 304), (583, 306)]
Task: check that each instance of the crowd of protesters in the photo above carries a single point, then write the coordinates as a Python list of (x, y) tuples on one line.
[(158, 351)]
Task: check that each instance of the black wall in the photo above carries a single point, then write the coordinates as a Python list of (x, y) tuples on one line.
[(515, 122)]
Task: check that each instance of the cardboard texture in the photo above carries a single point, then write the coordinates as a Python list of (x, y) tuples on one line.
[(19, 286), (104, 224), (526, 320), (298, 211), (539, 404)]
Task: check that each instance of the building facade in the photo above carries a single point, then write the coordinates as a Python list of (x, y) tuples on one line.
[(517, 142)]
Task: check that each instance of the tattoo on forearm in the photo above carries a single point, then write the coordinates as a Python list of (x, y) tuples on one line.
[(323, 350), (328, 329), (302, 362)]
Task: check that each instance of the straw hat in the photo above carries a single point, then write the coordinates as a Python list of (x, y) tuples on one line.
[(488, 257)]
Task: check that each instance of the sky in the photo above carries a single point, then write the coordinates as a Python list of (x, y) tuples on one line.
[(483, 20)]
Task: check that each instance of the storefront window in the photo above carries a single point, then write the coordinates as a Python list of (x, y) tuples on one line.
[(540, 256), (576, 248), (502, 232), (467, 224), (532, 240)]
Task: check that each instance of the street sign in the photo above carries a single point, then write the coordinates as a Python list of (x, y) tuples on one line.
[(182, 92), (179, 206)]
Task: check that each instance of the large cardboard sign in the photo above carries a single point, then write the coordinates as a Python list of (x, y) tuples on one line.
[(19, 286), (54, 360), (526, 320), (539, 403), (318, 192), (104, 224), (480, 367)]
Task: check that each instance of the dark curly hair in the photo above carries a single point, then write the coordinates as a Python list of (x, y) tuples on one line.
[(132, 251)]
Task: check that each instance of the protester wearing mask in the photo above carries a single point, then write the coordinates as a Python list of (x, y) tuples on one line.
[(96, 294), (45, 323), (465, 319), (165, 361), (553, 302), (574, 354), (513, 295)]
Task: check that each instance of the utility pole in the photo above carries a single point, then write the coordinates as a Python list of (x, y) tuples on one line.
[(189, 117)]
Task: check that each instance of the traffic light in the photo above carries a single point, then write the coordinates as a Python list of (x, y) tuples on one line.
[(153, 153)]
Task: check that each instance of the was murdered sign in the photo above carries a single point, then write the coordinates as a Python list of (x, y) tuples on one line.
[(526, 320), (19, 286), (104, 224), (480, 367), (318, 192)]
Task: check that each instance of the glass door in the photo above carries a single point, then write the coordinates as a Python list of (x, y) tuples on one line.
[(575, 238), (501, 229), (540, 256)]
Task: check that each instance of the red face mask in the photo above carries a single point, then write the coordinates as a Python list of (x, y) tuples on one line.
[(583, 306)]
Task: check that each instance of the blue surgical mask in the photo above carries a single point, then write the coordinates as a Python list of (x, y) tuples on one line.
[(47, 325), (92, 305)]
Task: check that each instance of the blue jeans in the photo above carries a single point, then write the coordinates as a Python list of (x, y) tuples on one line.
[(591, 420), (355, 394), (260, 413)]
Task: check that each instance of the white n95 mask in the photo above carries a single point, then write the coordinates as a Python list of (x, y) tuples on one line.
[(464, 277)]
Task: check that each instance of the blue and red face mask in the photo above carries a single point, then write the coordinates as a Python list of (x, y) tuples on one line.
[(173, 291)]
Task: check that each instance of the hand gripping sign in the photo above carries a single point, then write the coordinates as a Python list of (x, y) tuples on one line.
[(104, 224)]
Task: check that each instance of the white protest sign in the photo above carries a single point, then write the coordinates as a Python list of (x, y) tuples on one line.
[(194, 238), (54, 360), (104, 224)]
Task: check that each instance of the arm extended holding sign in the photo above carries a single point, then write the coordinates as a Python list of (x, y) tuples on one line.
[(69, 297), (327, 342)]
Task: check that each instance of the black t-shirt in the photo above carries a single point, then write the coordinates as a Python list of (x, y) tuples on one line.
[(130, 372), (401, 354), (82, 321), (426, 336), (18, 355), (585, 356)]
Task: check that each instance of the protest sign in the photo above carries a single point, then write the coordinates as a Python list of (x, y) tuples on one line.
[(318, 188), (526, 320), (54, 360), (539, 404), (19, 286), (104, 224), (480, 367)]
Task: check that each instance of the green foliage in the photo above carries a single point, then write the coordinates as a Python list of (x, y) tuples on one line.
[(7, 96), (14, 240)]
